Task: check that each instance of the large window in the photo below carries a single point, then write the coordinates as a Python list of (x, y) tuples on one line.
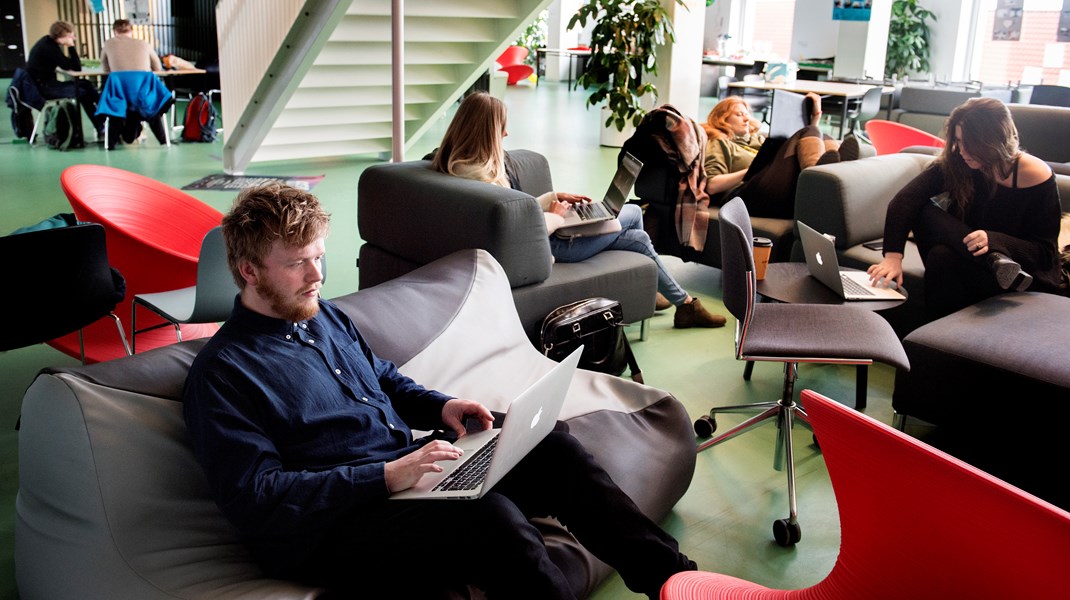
[(773, 23), (1036, 57)]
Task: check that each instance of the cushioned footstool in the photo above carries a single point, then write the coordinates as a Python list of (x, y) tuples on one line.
[(1009, 349)]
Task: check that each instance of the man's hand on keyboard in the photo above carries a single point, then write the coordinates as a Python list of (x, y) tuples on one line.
[(403, 473)]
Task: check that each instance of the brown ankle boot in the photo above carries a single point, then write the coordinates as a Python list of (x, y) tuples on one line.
[(694, 315), (661, 302), (808, 150), (849, 148), (832, 156)]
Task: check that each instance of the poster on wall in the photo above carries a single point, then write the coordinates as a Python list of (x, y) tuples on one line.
[(1063, 34), (1007, 26), (851, 10), (137, 12)]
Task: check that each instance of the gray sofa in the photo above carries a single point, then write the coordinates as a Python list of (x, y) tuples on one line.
[(850, 200), (409, 215), (1042, 130), (927, 108), (112, 504)]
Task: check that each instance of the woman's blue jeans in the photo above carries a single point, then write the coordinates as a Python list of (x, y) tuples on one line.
[(631, 237)]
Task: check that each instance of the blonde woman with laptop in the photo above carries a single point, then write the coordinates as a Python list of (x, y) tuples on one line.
[(472, 148)]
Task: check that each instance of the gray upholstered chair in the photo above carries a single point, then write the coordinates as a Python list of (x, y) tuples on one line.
[(409, 215), (209, 301), (789, 334)]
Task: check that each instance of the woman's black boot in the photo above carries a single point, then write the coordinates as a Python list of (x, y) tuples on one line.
[(1009, 274)]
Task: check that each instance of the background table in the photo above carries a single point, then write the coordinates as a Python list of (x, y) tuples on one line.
[(835, 89), (571, 54)]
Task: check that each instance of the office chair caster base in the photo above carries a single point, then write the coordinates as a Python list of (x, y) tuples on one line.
[(786, 532), (705, 426)]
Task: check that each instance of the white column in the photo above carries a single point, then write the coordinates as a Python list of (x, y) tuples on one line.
[(861, 46), (680, 64), (397, 78), (558, 36)]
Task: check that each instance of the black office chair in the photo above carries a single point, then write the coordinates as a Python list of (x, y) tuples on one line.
[(789, 334), (70, 282), (1051, 95), (868, 108)]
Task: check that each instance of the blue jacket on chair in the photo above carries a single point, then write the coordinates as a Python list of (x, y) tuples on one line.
[(139, 92)]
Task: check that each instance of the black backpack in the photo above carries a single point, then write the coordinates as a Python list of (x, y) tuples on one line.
[(199, 123), (21, 114), (63, 124)]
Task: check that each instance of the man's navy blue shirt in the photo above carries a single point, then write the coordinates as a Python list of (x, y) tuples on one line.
[(293, 423)]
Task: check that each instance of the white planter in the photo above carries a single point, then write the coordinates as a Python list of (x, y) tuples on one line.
[(610, 136)]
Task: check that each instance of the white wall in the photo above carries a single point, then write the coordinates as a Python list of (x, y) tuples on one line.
[(862, 46), (949, 38), (815, 33), (680, 63), (558, 36), (720, 19)]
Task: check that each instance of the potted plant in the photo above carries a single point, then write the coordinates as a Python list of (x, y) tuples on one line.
[(624, 41), (908, 39)]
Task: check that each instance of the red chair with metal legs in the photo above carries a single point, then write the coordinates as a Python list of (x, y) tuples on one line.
[(914, 523), (154, 239)]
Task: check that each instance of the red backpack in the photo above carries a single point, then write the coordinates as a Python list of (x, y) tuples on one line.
[(199, 122)]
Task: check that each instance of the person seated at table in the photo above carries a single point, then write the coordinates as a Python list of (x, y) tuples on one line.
[(733, 142), (985, 215), (472, 148), (56, 51), (123, 52)]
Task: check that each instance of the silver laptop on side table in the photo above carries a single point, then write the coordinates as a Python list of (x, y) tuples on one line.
[(824, 266)]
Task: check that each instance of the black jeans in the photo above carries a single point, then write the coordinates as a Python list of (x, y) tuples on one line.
[(954, 278), (768, 189), (423, 546), (79, 89)]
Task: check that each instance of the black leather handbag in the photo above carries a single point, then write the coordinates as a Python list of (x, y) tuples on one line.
[(597, 324)]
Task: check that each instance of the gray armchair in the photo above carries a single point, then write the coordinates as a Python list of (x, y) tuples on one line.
[(409, 215)]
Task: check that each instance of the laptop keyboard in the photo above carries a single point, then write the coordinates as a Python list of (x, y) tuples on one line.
[(853, 288), (469, 476), (594, 210)]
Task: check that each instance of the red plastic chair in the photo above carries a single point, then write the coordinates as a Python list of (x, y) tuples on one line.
[(889, 137), (915, 523), (512, 62), (154, 235)]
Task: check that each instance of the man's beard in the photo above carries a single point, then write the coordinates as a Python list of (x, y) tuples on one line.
[(287, 308)]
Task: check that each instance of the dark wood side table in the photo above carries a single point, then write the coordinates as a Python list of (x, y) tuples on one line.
[(791, 283)]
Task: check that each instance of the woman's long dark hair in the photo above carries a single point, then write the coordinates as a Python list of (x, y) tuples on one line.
[(990, 138)]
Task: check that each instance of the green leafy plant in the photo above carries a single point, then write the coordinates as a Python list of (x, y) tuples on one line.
[(534, 37), (624, 41), (908, 39)]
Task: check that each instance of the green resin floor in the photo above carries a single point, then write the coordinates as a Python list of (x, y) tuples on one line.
[(723, 522)]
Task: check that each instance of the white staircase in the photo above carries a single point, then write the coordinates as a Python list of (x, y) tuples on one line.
[(326, 90)]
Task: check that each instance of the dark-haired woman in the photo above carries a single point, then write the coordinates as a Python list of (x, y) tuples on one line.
[(985, 215)]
